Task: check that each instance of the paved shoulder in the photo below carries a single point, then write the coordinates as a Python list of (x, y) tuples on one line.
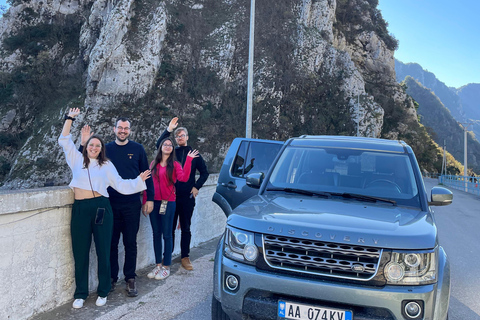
[(178, 293), (157, 299)]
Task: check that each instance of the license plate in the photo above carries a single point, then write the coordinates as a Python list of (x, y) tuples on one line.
[(297, 311)]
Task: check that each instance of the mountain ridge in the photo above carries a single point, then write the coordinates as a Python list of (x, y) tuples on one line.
[(321, 67), (458, 102)]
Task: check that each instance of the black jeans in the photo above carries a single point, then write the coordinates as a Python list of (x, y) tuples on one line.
[(184, 212), (126, 221)]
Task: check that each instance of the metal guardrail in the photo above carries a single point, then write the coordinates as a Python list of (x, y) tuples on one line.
[(465, 183)]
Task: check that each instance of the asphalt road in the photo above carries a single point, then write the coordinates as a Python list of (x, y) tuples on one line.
[(459, 233), (186, 295)]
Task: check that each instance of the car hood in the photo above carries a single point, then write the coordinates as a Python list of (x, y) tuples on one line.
[(336, 220)]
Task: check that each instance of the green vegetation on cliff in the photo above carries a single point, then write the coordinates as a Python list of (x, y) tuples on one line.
[(443, 128)]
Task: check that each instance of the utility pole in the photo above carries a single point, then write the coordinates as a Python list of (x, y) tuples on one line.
[(358, 115), (444, 160), (443, 172), (465, 126), (251, 42)]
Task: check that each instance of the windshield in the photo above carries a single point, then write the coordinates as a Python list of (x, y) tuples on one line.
[(335, 170)]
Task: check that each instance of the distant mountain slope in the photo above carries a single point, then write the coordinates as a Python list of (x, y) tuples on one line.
[(470, 97), (447, 95), (441, 125), (463, 103)]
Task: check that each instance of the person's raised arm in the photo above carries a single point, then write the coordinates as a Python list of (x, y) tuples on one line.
[(86, 133), (73, 112), (184, 174), (171, 126), (125, 186), (71, 154)]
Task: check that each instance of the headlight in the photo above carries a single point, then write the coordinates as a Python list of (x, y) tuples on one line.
[(411, 268), (240, 246)]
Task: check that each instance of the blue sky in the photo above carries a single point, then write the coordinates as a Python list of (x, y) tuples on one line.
[(443, 36)]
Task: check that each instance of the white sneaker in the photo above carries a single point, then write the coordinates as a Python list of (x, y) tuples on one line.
[(165, 272), (78, 303), (154, 272), (101, 301)]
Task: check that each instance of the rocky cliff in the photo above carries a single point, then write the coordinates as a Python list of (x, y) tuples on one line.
[(321, 67)]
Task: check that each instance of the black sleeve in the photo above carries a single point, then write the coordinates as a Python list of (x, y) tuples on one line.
[(202, 168), (164, 135), (149, 182)]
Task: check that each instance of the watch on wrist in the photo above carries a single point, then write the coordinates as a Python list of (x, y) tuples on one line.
[(67, 117)]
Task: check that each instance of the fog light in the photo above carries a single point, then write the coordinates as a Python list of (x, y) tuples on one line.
[(413, 309), (231, 282)]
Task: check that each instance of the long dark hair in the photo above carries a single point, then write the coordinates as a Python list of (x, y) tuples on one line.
[(170, 160), (102, 156)]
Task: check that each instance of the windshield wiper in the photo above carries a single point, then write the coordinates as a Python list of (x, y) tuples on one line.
[(364, 197), (301, 191)]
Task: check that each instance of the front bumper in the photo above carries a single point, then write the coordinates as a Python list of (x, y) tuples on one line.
[(259, 291)]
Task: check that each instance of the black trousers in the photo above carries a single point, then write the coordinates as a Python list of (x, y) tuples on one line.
[(126, 221), (84, 223), (184, 212)]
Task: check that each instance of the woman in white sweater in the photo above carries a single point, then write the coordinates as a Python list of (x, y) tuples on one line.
[(93, 173)]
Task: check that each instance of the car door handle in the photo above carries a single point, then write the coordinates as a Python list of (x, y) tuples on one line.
[(229, 185)]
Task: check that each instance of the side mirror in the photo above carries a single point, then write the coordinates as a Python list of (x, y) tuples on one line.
[(254, 180), (440, 197)]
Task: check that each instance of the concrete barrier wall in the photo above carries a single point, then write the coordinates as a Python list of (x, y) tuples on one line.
[(36, 265)]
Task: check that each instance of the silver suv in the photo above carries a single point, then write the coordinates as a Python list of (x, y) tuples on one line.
[(328, 227)]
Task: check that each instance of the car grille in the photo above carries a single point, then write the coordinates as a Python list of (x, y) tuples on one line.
[(321, 258)]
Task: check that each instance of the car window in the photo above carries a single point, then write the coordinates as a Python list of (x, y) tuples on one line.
[(239, 163), (365, 172), (260, 156)]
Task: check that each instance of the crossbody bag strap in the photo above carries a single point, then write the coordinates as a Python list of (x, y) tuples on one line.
[(90, 180), (169, 194), (161, 197)]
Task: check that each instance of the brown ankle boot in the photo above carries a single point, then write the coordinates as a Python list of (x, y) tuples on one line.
[(186, 264)]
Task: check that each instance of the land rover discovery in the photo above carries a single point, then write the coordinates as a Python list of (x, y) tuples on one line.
[(328, 227)]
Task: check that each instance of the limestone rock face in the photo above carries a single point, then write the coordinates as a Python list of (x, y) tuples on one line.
[(316, 72), (117, 65)]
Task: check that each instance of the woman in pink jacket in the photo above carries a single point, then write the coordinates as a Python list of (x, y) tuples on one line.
[(165, 172)]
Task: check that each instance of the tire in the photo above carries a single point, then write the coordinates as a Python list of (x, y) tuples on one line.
[(217, 311)]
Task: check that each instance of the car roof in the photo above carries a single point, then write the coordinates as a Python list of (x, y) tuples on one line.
[(349, 142)]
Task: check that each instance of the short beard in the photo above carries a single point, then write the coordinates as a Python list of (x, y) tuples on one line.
[(122, 140)]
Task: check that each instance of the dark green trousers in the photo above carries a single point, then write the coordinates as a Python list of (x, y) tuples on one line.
[(82, 227)]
